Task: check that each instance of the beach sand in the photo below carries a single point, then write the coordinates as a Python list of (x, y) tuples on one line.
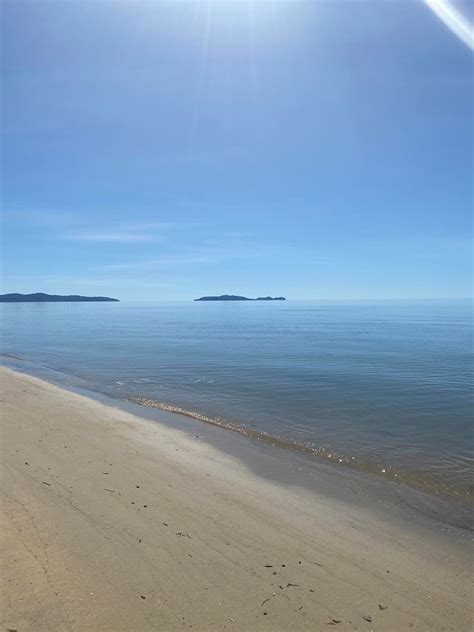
[(110, 522)]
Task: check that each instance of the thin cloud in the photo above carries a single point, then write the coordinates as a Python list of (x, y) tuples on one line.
[(211, 253), (46, 219), (128, 232), (122, 237), (155, 263), (454, 20), (210, 257), (78, 224)]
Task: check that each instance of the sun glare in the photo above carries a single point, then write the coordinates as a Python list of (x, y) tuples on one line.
[(454, 20)]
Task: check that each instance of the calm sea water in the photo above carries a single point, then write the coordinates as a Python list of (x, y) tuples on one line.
[(383, 386)]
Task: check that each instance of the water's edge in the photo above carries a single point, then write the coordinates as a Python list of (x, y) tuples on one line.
[(417, 481), (376, 388), (364, 481)]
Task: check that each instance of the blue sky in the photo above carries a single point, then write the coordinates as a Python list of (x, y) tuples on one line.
[(167, 150)]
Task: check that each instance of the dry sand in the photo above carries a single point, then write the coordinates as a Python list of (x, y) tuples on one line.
[(112, 523)]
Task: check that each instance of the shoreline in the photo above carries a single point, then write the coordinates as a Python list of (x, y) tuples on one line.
[(115, 523), (428, 495), (390, 473)]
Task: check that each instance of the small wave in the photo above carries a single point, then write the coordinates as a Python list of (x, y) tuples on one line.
[(10, 355), (418, 481)]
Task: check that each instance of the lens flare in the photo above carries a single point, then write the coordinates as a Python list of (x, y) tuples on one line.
[(454, 20)]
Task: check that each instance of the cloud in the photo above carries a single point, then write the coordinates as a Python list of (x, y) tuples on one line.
[(118, 236), (157, 262), (45, 219), (110, 285), (81, 225), (206, 256), (131, 232), (454, 20)]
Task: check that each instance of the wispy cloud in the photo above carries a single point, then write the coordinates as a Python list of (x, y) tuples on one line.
[(119, 236), (150, 265), (454, 20), (81, 220), (131, 232), (181, 257), (80, 227), (106, 284), (45, 219)]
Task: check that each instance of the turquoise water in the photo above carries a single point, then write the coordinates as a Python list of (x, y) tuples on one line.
[(382, 386)]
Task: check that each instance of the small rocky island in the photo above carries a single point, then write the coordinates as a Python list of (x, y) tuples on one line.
[(233, 297), (40, 297)]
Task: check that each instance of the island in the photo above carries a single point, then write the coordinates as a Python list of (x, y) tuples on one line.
[(233, 297), (40, 297)]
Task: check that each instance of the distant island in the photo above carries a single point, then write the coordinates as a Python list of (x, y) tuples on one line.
[(40, 297), (232, 297)]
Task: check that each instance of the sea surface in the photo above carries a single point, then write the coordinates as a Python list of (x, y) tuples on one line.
[(383, 386)]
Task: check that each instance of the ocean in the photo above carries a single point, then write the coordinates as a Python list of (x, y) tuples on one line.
[(381, 386)]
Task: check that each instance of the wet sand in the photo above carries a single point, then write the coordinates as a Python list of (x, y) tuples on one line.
[(111, 523)]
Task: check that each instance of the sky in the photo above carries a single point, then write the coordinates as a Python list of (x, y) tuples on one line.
[(167, 150)]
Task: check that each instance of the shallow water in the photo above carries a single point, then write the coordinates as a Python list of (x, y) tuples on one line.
[(382, 386)]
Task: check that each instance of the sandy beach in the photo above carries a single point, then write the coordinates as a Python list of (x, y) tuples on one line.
[(111, 522)]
